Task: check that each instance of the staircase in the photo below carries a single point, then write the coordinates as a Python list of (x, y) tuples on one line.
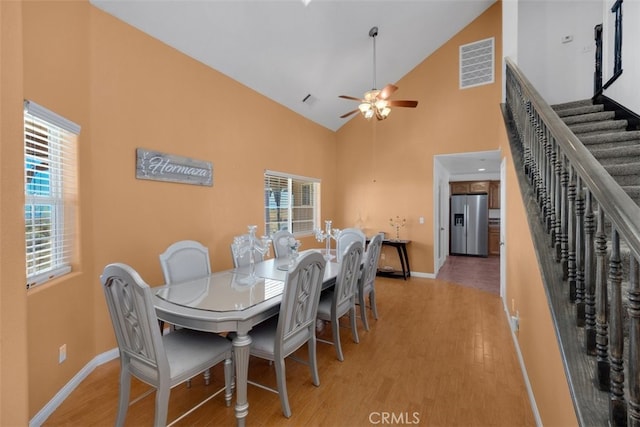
[(614, 141), (594, 231)]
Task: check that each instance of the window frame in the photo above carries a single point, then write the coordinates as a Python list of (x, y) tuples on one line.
[(309, 194), (50, 190)]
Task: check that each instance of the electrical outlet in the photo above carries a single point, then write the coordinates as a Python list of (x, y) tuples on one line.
[(515, 322), (383, 256), (62, 353)]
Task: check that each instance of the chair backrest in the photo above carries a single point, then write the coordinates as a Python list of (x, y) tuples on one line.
[(243, 258), (281, 243), (185, 260), (347, 236), (372, 256), (134, 321), (345, 288), (299, 306)]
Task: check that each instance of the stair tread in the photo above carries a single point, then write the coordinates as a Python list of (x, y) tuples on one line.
[(572, 104), (616, 151), (619, 136), (589, 117), (600, 125), (586, 109)]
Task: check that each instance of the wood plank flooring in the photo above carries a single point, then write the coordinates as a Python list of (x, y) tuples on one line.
[(439, 355)]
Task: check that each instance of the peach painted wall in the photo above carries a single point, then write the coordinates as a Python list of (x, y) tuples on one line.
[(128, 90), (13, 298), (387, 167), (526, 296)]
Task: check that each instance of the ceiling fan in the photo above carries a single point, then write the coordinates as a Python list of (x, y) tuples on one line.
[(376, 102)]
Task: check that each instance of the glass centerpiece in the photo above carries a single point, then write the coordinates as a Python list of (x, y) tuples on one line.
[(250, 244), (326, 235), (397, 223)]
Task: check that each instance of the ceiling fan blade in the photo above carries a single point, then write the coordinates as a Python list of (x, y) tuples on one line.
[(348, 114), (350, 97), (410, 104), (387, 91)]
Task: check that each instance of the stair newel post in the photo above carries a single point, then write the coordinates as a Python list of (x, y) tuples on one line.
[(590, 276), (617, 403), (564, 217), (602, 306), (571, 235), (580, 236), (634, 343)]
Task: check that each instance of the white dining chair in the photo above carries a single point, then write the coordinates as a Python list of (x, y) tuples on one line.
[(182, 261), (160, 361), (366, 284), (280, 336), (340, 300), (281, 243), (185, 260), (345, 237)]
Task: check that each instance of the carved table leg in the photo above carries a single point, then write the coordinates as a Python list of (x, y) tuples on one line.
[(241, 347)]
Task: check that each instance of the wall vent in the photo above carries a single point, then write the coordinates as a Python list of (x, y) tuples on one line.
[(477, 63)]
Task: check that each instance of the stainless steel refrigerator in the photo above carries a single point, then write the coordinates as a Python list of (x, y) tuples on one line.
[(469, 225)]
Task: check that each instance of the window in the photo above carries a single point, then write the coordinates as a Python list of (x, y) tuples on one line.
[(290, 203), (50, 193)]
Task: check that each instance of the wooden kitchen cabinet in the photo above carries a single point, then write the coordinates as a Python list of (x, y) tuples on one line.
[(470, 187), (460, 188), (494, 195), (476, 187), (494, 239)]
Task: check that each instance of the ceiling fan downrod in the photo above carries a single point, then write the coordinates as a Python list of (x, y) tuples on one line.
[(373, 32)]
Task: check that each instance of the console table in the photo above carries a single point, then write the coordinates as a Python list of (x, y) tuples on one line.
[(401, 247)]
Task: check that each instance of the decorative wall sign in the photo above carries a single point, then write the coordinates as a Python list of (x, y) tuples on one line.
[(158, 166)]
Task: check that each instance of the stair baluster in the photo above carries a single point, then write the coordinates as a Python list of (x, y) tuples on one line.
[(634, 343), (571, 235), (590, 277), (602, 306), (579, 250), (617, 404)]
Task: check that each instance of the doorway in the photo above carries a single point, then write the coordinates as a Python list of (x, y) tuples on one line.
[(470, 166)]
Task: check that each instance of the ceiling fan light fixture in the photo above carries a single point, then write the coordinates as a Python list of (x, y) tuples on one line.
[(381, 104), (364, 107), (370, 96), (375, 101)]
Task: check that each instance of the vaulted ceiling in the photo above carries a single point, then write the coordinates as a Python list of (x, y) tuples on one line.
[(303, 55)]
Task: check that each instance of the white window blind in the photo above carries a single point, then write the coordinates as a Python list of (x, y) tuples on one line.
[(477, 63), (50, 186), (291, 203)]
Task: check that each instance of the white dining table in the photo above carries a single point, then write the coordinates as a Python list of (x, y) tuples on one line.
[(231, 301)]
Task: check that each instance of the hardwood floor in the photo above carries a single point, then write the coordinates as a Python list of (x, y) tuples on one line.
[(439, 355)]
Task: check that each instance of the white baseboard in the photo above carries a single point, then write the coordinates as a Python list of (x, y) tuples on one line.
[(57, 400), (532, 399), (423, 275)]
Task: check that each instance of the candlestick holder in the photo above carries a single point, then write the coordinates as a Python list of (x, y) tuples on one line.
[(249, 243), (326, 236), (397, 223)]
